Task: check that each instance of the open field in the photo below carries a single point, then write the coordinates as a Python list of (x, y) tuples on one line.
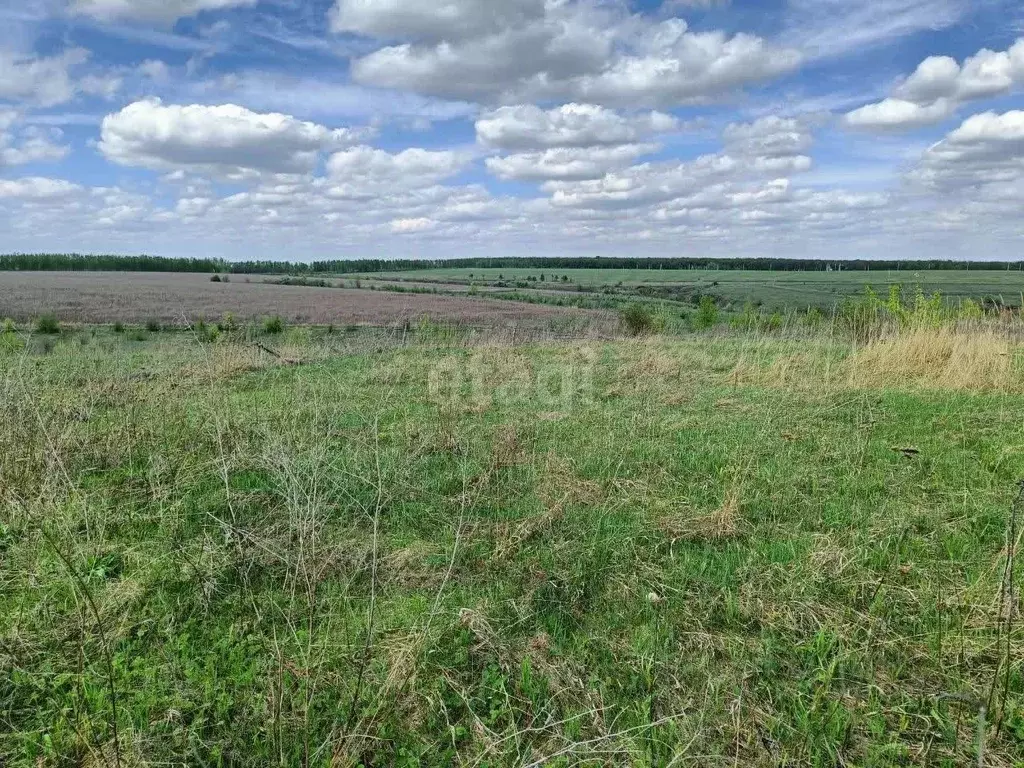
[(773, 290), (712, 549), (181, 298)]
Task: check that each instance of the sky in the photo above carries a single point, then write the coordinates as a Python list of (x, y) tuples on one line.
[(315, 129)]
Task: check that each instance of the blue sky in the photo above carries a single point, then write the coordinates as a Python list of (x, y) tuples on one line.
[(309, 129)]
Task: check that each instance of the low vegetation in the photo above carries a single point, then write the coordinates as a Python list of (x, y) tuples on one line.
[(48, 324), (768, 543)]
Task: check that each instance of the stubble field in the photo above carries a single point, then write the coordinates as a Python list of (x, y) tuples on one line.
[(179, 299)]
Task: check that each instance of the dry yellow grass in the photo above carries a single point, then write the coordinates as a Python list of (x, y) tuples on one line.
[(721, 523), (939, 358)]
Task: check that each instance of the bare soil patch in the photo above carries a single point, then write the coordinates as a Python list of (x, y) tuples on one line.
[(173, 298)]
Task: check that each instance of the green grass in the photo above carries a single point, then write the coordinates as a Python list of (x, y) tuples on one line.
[(559, 554), (775, 290)]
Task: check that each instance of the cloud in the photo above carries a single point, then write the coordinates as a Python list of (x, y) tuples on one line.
[(771, 146), (155, 70), (566, 163), (42, 81), (412, 226), (527, 126), (642, 185), (940, 85), (157, 11), (431, 21), (223, 141), (37, 188), (833, 28), (34, 146), (494, 67), (362, 172), (768, 137), (987, 149), (685, 68), (899, 115), (574, 53)]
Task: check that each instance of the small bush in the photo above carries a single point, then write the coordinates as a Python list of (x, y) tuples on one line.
[(8, 326), (118, 327), (48, 324), (215, 279), (707, 313), (205, 332), (228, 323), (637, 319), (273, 325), (153, 326)]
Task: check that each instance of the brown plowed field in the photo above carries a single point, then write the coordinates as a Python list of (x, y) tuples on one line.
[(175, 298)]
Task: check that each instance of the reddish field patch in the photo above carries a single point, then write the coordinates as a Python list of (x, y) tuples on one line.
[(171, 298)]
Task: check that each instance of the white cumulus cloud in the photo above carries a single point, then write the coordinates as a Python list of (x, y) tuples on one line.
[(527, 126), (37, 188), (225, 140), (574, 53), (939, 85)]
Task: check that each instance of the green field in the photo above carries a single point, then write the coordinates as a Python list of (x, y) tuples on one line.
[(773, 290), (710, 549)]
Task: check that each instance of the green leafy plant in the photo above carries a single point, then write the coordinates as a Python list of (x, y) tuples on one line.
[(48, 324), (273, 325), (707, 313), (637, 319)]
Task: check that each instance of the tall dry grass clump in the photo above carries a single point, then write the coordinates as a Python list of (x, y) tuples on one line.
[(945, 357)]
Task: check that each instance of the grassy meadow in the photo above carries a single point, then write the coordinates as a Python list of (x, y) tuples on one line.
[(732, 547)]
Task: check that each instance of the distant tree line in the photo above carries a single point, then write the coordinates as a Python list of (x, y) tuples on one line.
[(75, 262), (80, 262)]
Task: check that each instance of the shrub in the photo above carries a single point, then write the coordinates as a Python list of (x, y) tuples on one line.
[(153, 326), (707, 313), (215, 279), (273, 325), (228, 323), (747, 320), (971, 310), (47, 324), (205, 332), (118, 327), (637, 319), (8, 326)]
